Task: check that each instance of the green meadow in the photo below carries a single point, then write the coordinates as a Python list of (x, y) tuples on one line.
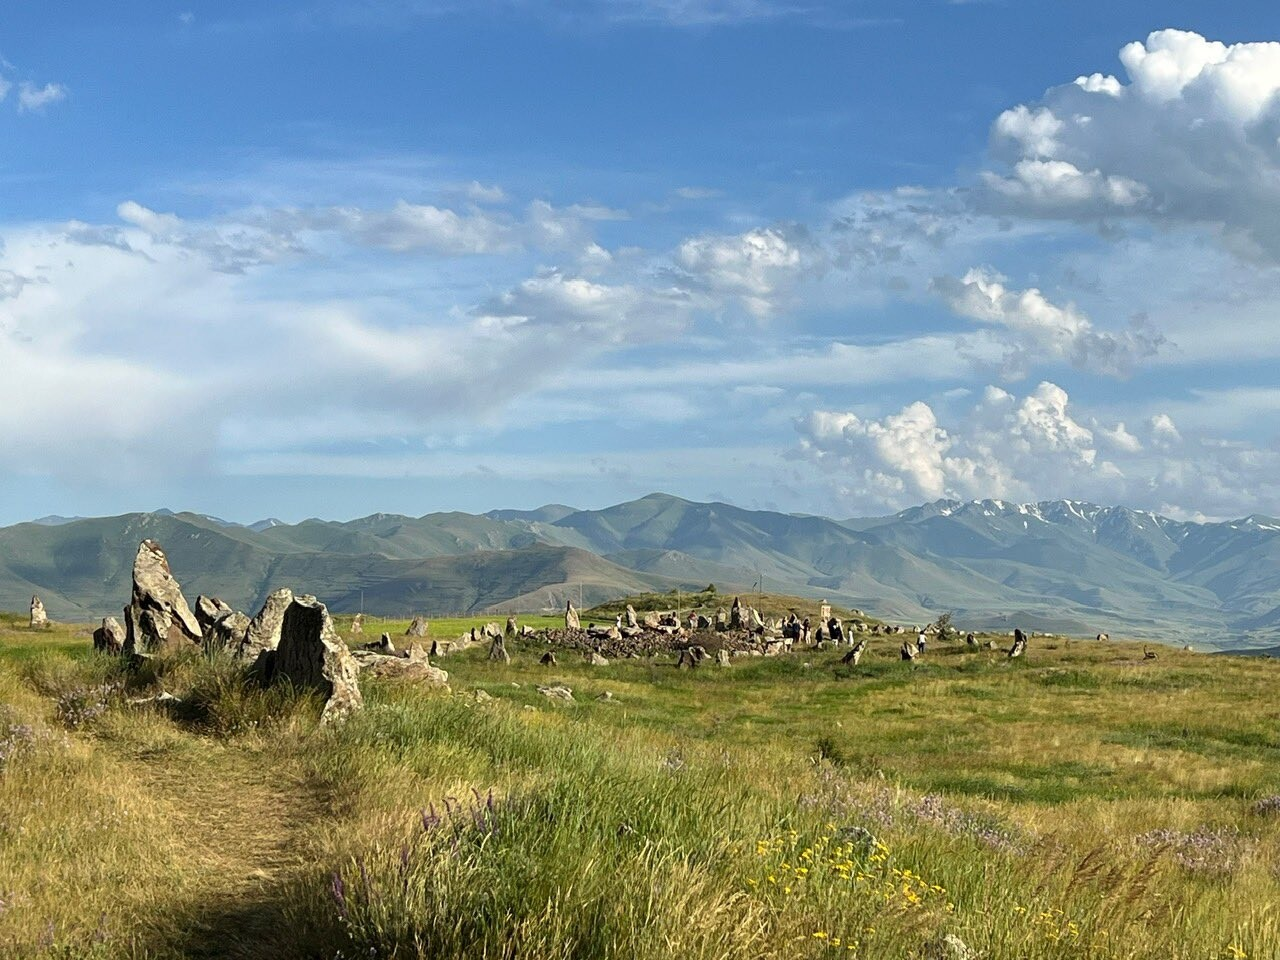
[(1082, 801)]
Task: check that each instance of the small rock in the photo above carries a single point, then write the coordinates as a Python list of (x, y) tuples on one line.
[(557, 692)]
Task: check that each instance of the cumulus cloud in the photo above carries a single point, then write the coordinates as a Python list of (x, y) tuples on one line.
[(1190, 138), (1030, 448), (1039, 329), (757, 268)]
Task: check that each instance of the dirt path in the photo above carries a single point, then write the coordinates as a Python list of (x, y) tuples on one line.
[(246, 822)]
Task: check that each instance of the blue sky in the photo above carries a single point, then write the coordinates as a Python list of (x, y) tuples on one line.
[(332, 258)]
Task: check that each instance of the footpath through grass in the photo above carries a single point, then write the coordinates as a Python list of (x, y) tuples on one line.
[(1080, 802)]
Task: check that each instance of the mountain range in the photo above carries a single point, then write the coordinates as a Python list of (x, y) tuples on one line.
[(1058, 566)]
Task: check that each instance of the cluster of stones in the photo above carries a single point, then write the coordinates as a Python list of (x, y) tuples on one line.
[(291, 640)]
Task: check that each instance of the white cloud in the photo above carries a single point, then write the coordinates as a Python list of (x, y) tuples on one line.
[(1041, 330), (34, 99), (1191, 138), (757, 267), (1030, 448)]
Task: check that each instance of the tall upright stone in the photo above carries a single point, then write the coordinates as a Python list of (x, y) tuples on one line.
[(38, 617), (513, 629), (631, 619), (264, 629), (311, 656), (418, 628), (735, 616), (109, 638), (158, 617), (571, 620)]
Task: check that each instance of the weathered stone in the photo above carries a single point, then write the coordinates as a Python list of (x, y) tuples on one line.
[(692, 657), (481, 696), (513, 629), (418, 628), (382, 645), (208, 611), (651, 621), (492, 631), (571, 620), (722, 620), (970, 640), (417, 669), (264, 630), (1103, 637), (557, 692), (228, 634), (498, 649), (548, 659), (158, 616), (722, 657), (735, 616), (631, 619), (949, 947), (311, 656), (855, 653), (908, 651), (109, 638), (756, 621), (357, 625), (597, 661), (38, 617), (1019, 644), (704, 622), (824, 611)]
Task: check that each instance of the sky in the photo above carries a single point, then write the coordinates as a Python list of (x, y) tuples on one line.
[(337, 257)]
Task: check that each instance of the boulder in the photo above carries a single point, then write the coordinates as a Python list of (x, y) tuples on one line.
[(704, 623), (492, 631), (209, 610), (357, 625), (691, 657), (557, 692), (631, 620), (382, 645), (908, 651), (651, 621), (571, 620), (736, 621), (722, 657), (722, 620), (109, 638), (855, 654), (38, 617), (513, 629), (597, 661), (415, 667), (418, 628), (158, 616), (228, 634), (548, 659), (311, 656), (264, 630), (498, 649), (756, 621)]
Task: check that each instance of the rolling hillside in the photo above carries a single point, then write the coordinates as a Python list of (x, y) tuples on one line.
[(1062, 565)]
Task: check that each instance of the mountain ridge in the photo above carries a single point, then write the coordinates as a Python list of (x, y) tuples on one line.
[(1063, 565)]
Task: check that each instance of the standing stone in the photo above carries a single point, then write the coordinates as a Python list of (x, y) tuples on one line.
[(418, 628), (548, 659), (109, 638), (382, 645), (824, 611), (209, 610), (632, 620), (498, 649), (38, 617), (596, 660), (652, 621), (722, 657), (513, 629), (158, 616), (228, 634), (311, 656), (855, 654), (736, 621), (908, 651), (357, 625), (571, 620), (264, 630), (757, 621), (970, 640), (722, 621), (1019, 644), (492, 631)]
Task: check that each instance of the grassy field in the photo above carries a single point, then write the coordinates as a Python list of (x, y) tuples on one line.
[(1080, 802)]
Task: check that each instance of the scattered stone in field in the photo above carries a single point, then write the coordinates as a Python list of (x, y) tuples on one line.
[(382, 645), (631, 619), (498, 649), (1188, 648), (607, 696), (312, 657), (949, 947), (557, 692), (571, 619), (415, 667), (597, 661), (548, 659), (970, 640), (908, 651), (492, 630), (418, 628), (722, 657), (481, 696), (264, 630), (357, 625), (692, 657), (1148, 654), (158, 616), (1102, 637), (1019, 644), (512, 630), (38, 617), (109, 638), (855, 653), (528, 631)]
